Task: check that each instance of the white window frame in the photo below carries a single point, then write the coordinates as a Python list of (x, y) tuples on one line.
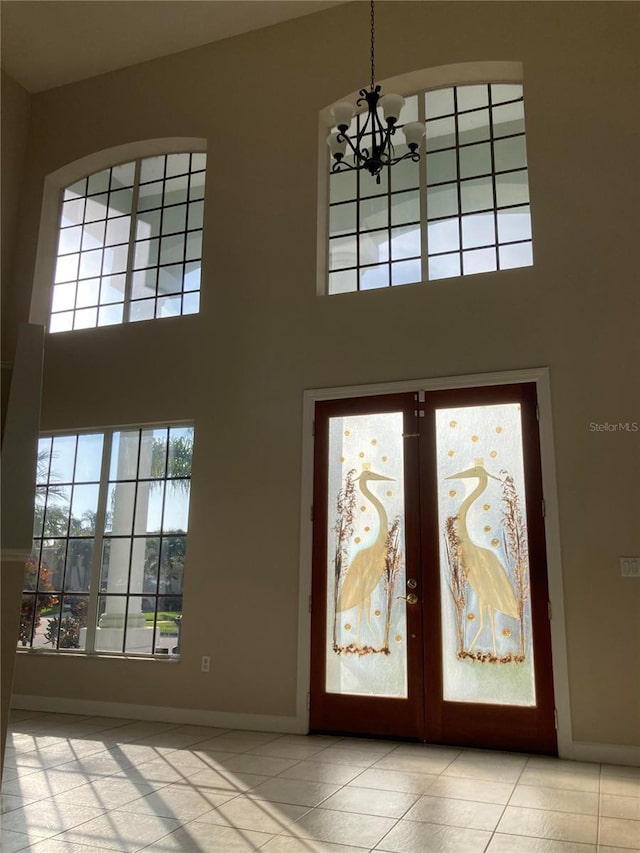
[(100, 536), (55, 183)]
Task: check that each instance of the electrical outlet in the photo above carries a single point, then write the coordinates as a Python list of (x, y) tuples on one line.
[(630, 567), (205, 665)]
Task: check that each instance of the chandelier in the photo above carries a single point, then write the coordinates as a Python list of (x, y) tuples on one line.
[(372, 147)]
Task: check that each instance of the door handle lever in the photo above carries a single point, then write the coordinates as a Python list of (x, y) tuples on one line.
[(412, 598)]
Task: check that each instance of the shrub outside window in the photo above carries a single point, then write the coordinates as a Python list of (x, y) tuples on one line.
[(110, 525), (130, 243), (463, 209)]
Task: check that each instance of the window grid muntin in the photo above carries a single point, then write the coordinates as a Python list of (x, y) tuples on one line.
[(496, 209), (189, 203), (424, 186), (133, 536), (101, 515), (101, 535), (61, 588), (367, 190), (106, 217), (73, 316), (133, 224)]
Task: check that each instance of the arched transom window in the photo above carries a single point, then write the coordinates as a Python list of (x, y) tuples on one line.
[(130, 243), (463, 209)]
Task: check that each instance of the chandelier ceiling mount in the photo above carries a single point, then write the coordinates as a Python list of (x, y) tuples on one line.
[(372, 147)]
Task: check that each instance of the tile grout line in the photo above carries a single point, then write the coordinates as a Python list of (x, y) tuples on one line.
[(185, 774), (504, 808)]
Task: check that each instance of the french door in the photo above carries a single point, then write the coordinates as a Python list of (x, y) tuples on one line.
[(430, 598)]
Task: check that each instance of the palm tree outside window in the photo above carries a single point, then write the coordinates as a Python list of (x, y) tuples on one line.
[(106, 572)]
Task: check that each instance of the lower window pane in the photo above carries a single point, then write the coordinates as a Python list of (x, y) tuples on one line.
[(68, 629), (343, 282), (110, 627), (139, 639), (27, 611), (444, 266), (86, 318), (374, 277), (406, 272), (168, 625), (481, 260), (142, 310), (169, 306), (516, 255), (61, 322), (110, 315), (191, 303), (46, 622), (122, 625)]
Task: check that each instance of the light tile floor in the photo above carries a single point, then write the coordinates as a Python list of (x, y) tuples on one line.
[(74, 784)]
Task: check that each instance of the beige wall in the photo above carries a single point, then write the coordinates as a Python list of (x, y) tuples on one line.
[(239, 368), (15, 104)]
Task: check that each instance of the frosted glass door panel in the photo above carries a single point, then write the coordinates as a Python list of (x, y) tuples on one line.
[(366, 652), (487, 653)]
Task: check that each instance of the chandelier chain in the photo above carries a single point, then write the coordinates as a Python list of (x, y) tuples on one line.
[(373, 35), (370, 146)]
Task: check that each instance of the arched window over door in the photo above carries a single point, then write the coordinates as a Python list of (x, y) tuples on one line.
[(462, 209)]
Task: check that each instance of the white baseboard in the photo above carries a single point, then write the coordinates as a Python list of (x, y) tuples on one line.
[(180, 716), (605, 753)]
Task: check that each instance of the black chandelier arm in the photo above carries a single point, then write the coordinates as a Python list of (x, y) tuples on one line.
[(342, 166), (358, 153), (409, 155)]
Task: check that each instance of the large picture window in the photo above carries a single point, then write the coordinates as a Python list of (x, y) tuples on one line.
[(130, 243), (463, 209), (110, 526)]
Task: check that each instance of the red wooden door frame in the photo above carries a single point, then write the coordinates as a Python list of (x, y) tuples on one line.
[(344, 713), (424, 715), (531, 729)]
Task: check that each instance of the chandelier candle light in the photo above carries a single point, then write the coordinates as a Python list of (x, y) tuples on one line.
[(380, 132)]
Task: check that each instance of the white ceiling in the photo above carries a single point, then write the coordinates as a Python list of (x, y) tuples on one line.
[(48, 43)]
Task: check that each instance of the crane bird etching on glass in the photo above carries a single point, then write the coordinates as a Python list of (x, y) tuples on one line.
[(358, 578), (366, 619), (487, 643), (482, 569)]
